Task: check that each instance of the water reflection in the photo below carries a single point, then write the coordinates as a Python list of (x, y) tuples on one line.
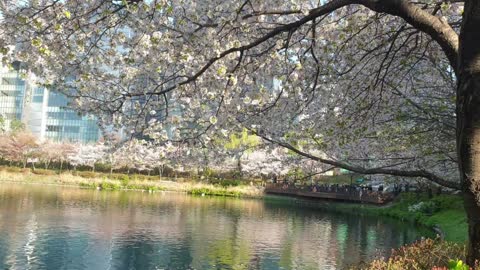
[(68, 228)]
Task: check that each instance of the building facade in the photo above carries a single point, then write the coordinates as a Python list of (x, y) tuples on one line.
[(45, 113)]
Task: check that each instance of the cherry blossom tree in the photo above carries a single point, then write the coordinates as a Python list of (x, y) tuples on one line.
[(87, 155), (49, 151), (65, 150), (376, 86), (22, 148)]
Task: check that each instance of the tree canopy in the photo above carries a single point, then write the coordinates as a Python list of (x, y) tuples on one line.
[(373, 92)]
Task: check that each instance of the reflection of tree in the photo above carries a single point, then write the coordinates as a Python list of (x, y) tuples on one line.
[(229, 254), (134, 253), (138, 252), (4, 246), (176, 231)]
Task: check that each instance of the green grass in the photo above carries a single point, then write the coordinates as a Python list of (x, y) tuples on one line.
[(215, 192), (124, 182), (449, 214)]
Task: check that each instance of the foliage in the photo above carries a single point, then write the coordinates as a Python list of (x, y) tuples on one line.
[(340, 86), (424, 207), (226, 182), (17, 126), (424, 254), (86, 174), (457, 265), (444, 211), (243, 139), (104, 182), (44, 172), (214, 192)]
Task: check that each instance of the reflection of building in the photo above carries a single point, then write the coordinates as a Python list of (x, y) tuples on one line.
[(45, 113)]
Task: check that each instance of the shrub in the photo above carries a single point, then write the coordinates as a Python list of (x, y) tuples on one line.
[(424, 254), (144, 186), (429, 207), (87, 185), (102, 167), (226, 182), (109, 185), (87, 174), (44, 172), (124, 180), (16, 169), (208, 191)]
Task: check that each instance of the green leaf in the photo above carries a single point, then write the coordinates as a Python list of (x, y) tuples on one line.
[(36, 42)]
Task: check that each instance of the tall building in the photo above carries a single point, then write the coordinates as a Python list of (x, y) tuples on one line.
[(44, 112)]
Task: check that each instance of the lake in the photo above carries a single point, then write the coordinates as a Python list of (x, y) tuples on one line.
[(52, 227)]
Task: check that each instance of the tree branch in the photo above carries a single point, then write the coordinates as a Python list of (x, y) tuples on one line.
[(436, 28), (381, 170)]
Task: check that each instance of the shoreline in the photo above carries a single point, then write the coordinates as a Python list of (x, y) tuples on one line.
[(448, 219)]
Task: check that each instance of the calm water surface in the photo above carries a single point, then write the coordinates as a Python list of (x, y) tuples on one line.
[(68, 228)]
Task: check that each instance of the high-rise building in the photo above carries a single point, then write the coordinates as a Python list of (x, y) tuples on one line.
[(44, 112)]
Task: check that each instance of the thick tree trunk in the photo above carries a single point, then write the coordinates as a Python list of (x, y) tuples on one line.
[(468, 122), (473, 215)]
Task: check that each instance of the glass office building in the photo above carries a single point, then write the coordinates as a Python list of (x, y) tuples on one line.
[(45, 113), (12, 89)]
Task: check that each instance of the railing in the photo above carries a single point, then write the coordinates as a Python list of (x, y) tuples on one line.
[(334, 192)]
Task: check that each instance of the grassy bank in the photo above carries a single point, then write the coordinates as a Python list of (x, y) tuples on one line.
[(125, 183), (443, 212)]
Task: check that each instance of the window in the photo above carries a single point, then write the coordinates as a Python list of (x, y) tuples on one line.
[(57, 100), (10, 93), (72, 129), (37, 99), (12, 81), (54, 128), (9, 81), (38, 91)]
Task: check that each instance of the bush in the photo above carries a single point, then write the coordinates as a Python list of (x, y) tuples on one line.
[(102, 167), (108, 185), (226, 183), (424, 254), (124, 180), (144, 186), (429, 207), (87, 185), (44, 172), (208, 191), (16, 169), (87, 174)]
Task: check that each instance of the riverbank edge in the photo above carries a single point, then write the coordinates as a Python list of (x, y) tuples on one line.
[(104, 183), (449, 220)]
